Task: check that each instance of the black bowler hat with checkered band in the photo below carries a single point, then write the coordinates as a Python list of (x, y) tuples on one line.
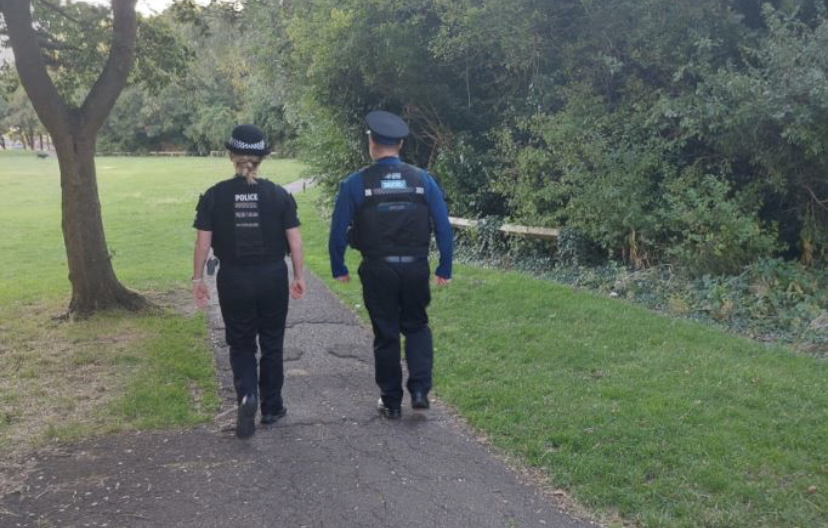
[(248, 140)]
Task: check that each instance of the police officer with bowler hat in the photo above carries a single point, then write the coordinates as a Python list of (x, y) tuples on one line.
[(388, 211), (250, 223)]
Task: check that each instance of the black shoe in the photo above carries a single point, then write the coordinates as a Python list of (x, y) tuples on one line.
[(268, 419), (246, 417), (392, 413), (419, 400)]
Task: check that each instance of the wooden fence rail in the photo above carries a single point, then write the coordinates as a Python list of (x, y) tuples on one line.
[(543, 233), (171, 153)]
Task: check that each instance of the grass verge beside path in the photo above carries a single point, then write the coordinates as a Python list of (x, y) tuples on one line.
[(117, 371), (661, 422)]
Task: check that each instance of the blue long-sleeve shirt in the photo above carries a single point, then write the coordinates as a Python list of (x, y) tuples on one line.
[(350, 197)]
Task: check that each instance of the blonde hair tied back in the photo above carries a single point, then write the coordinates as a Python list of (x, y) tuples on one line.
[(246, 166)]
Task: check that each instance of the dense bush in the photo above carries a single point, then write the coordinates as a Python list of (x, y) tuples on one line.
[(714, 231), (465, 173), (680, 132)]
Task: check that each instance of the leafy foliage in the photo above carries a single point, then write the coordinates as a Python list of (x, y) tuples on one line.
[(714, 232), (18, 118), (75, 39), (215, 82), (679, 132)]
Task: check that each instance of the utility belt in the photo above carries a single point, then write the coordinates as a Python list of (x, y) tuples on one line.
[(396, 259)]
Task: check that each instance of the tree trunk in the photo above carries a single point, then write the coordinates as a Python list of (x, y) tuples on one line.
[(94, 285), (2, 142), (40, 137), (74, 131)]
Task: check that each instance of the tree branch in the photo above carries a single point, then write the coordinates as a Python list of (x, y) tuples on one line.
[(108, 87), (47, 102), (816, 200)]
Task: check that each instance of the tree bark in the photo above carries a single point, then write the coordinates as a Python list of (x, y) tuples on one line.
[(94, 285), (74, 132)]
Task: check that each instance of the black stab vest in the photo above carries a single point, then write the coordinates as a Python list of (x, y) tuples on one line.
[(393, 218), (248, 231)]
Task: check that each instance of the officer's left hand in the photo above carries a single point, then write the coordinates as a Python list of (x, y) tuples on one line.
[(441, 281), (297, 289)]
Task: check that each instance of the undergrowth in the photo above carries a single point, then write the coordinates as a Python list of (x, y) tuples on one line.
[(771, 300)]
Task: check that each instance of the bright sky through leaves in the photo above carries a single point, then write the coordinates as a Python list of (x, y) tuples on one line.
[(147, 7)]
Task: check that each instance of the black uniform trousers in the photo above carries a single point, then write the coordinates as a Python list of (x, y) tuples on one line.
[(396, 296), (254, 302)]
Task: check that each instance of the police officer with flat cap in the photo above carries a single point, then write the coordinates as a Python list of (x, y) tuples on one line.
[(388, 211), (250, 223)]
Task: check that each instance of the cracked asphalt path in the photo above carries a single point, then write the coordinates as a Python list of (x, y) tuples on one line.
[(331, 462)]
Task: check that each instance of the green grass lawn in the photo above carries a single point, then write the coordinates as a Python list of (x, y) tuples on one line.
[(116, 371), (656, 421)]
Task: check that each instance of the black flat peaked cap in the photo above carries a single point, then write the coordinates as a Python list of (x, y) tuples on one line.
[(385, 127), (248, 140)]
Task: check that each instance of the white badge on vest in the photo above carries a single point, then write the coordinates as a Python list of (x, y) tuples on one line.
[(393, 184)]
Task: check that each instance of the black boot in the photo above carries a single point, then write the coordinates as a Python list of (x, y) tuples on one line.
[(246, 417), (272, 418), (419, 400), (390, 412)]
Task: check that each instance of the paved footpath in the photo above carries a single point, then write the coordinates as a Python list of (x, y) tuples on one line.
[(332, 462)]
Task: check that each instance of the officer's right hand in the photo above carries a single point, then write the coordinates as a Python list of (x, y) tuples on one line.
[(344, 278), (441, 281), (201, 294)]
